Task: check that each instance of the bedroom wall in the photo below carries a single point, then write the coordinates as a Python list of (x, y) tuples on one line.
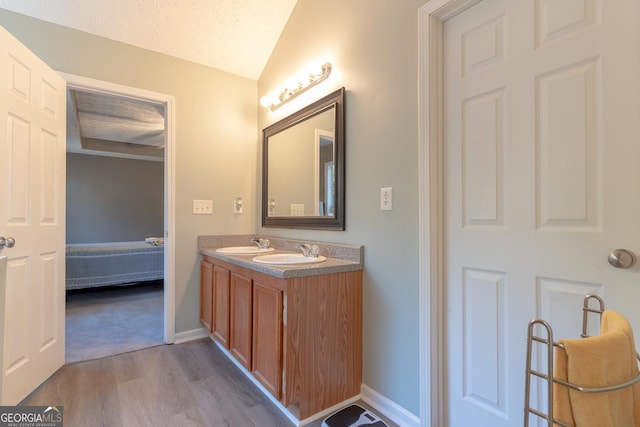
[(113, 200), (373, 45), (216, 143)]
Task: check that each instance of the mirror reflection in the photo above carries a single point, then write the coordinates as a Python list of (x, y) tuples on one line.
[(301, 172), (303, 167)]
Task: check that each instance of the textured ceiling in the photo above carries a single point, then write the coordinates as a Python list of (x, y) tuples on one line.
[(105, 124), (236, 36)]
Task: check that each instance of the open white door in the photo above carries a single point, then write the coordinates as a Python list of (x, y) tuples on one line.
[(32, 211)]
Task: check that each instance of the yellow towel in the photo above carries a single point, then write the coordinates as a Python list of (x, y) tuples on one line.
[(603, 360)]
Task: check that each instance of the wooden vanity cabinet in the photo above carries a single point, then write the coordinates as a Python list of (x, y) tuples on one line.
[(214, 301), (300, 337), (206, 289), (267, 337), (241, 316), (220, 304), (322, 341)]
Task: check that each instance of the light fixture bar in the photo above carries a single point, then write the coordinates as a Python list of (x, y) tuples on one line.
[(275, 100)]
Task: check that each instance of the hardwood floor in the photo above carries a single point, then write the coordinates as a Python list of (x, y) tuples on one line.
[(182, 385), (190, 384)]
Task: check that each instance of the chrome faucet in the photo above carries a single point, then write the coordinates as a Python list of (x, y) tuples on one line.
[(312, 251), (261, 243)]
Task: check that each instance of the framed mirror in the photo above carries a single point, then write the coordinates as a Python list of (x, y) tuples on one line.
[(303, 167)]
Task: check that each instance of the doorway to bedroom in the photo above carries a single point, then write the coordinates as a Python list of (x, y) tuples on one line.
[(116, 220)]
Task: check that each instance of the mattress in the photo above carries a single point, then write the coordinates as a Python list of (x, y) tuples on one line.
[(114, 263)]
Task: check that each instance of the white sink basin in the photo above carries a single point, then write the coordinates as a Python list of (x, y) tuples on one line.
[(288, 259), (244, 250)]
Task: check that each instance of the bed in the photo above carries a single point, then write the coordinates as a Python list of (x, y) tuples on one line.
[(91, 265)]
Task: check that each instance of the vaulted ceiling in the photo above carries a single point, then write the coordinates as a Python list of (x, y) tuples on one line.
[(236, 36)]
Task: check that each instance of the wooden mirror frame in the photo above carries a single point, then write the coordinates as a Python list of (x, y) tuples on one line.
[(335, 100)]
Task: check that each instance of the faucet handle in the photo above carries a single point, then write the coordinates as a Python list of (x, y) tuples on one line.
[(261, 243), (309, 250), (314, 250), (304, 248)]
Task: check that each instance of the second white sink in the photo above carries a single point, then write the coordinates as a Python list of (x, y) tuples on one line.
[(288, 259)]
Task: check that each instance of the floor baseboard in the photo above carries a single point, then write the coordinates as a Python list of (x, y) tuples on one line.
[(388, 407), (191, 335)]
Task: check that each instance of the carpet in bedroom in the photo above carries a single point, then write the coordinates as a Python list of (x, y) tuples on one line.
[(113, 320)]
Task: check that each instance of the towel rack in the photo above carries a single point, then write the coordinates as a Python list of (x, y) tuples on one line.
[(549, 343)]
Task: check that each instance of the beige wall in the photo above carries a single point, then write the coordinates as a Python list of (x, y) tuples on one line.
[(216, 143), (373, 47)]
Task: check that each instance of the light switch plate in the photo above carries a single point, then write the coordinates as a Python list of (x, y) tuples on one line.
[(297, 209), (386, 199), (203, 207)]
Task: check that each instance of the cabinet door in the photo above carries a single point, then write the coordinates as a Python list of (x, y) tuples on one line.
[(206, 286), (220, 327), (241, 306), (267, 337)]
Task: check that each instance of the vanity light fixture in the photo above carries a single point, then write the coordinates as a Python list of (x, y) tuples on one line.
[(291, 90)]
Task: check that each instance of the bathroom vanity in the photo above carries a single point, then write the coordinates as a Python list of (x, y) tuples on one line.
[(296, 329)]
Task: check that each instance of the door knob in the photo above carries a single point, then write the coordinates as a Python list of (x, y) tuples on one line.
[(9, 242), (622, 258)]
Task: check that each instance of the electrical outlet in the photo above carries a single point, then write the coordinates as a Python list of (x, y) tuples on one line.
[(237, 205), (386, 199), (203, 207)]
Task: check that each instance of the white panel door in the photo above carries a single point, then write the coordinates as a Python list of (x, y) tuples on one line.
[(32, 211), (542, 180)]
